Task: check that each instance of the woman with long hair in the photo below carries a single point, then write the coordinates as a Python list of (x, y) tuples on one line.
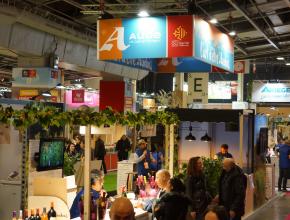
[(196, 188)]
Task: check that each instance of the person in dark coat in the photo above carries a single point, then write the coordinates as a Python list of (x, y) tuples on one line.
[(100, 152), (123, 147), (173, 204), (196, 188), (232, 189)]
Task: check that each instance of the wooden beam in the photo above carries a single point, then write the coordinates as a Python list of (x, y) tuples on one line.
[(87, 187)]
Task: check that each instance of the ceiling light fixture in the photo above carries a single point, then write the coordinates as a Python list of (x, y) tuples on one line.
[(60, 86), (46, 94), (190, 137), (213, 21), (232, 33), (280, 58), (206, 138), (288, 64), (143, 13)]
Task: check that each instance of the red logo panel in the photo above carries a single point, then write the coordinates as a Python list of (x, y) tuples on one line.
[(180, 34)]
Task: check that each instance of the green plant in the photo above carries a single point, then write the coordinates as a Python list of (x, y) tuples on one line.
[(68, 165), (212, 172)]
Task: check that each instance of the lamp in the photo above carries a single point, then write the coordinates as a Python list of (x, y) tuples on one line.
[(143, 13), (60, 86), (190, 137), (206, 138), (46, 94)]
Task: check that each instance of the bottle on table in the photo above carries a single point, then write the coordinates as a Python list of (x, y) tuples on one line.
[(51, 213), (102, 205), (37, 216), (26, 214), (44, 214), (20, 217), (32, 216), (14, 215)]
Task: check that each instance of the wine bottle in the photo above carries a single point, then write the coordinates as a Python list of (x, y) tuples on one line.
[(44, 214), (14, 215), (32, 216), (37, 216), (20, 215), (26, 214), (102, 203), (51, 213)]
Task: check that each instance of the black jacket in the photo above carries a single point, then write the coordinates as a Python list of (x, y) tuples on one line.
[(123, 147), (196, 191), (100, 150), (172, 206), (232, 190)]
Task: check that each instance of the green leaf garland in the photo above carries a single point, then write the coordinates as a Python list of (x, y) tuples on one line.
[(48, 116)]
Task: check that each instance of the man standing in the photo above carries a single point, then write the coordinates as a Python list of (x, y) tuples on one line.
[(232, 189), (143, 158), (224, 153), (123, 147), (100, 152), (97, 182), (284, 165)]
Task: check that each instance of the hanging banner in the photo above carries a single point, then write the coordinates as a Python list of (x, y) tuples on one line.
[(181, 64), (131, 38), (78, 96), (35, 77), (213, 46), (180, 36), (164, 37)]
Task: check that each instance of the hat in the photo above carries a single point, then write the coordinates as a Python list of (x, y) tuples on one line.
[(142, 141)]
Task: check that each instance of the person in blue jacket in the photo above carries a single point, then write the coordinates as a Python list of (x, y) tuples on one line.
[(284, 165), (143, 158), (97, 181)]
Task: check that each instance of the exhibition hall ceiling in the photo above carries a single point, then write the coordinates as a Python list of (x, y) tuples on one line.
[(262, 26)]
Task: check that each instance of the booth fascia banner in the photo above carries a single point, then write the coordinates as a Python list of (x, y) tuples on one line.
[(164, 37)]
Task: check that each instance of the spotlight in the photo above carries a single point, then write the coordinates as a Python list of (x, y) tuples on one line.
[(232, 33), (213, 21), (143, 13), (60, 86), (288, 64), (280, 58), (46, 94)]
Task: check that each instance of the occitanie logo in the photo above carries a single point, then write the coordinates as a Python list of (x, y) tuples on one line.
[(179, 33)]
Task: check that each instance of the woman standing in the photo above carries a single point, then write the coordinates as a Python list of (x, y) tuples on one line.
[(196, 188)]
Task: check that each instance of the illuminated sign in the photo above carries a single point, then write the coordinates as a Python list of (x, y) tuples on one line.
[(271, 92), (164, 37)]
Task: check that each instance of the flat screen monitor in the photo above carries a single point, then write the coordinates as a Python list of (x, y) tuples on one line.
[(51, 153)]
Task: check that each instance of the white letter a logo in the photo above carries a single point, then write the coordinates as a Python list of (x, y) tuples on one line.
[(120, 40)]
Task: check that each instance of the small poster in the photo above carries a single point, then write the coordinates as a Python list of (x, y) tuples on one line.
[(78, 96)]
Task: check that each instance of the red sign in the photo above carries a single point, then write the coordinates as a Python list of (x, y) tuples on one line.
[(180, 36), (29, 73), (78, 96)]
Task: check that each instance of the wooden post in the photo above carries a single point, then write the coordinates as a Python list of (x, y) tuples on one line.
[(166, 145), (241, 140), (171, 149), (87, 187)]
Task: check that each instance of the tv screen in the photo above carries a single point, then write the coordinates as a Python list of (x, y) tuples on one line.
[(51, 153)]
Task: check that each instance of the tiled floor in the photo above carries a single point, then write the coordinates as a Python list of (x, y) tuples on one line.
[(277, 210)]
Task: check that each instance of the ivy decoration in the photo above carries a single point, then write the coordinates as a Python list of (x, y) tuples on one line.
[(48, 116)]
